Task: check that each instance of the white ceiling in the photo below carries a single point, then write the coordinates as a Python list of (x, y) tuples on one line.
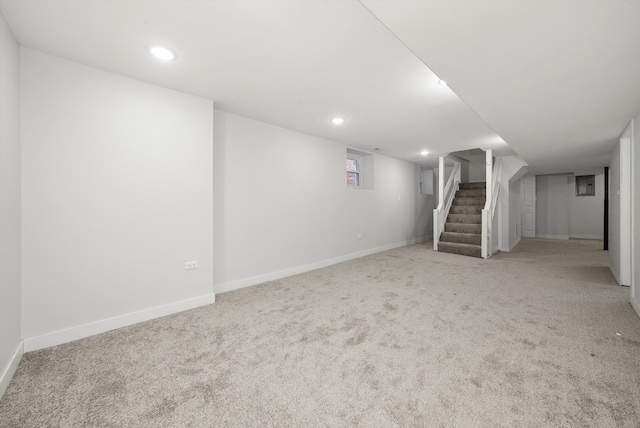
[(558, 81)]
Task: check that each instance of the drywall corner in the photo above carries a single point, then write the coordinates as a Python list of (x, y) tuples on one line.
[(11, 323), (12, 366)]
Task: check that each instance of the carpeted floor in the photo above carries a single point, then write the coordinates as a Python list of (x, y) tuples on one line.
[(539, 337)]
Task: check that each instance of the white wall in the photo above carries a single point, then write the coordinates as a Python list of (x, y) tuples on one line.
[(282, 205), (560, 214), (635, 217), (510, 204), (117, 192), (614, 213), (552, 207), (10, 306), (477, 168), (620, 205), (586, 213), (464, 171), (515, 215)]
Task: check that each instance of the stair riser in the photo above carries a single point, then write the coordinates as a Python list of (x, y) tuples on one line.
[(472, 186), (463, 228), (473, 251), (471, 194), (464, 218), (469, 202), (466, 209), (461, 238)]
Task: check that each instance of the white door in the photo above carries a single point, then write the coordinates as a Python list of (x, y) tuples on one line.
[(528, 192)]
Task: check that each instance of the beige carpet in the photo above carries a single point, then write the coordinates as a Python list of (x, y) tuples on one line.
[(539, 337)]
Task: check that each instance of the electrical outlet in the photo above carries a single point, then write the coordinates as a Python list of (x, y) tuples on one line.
[(191, 265)]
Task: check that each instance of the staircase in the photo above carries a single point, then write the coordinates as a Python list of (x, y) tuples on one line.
[(463, 228)]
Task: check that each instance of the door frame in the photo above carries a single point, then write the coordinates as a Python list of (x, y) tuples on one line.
[(528, 180)]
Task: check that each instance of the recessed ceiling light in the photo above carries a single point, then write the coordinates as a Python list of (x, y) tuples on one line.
[(162, 53), (337, 120), (424, 152), (442, 82)]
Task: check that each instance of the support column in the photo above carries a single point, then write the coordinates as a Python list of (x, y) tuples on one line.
[(441, 183), (489, 173)]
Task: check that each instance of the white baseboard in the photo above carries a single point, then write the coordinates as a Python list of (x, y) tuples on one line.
[(617, 276), (594, 237), (511, 246), (636, 305), (247, 282), (102, 326), (553, 236), (514, 243), (615, 273), (11, 368)]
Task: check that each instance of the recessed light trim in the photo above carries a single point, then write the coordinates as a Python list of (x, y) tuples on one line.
[(424, 152), (162, 53), (337, 120)]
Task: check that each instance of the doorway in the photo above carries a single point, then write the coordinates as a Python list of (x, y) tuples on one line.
[(528, 192)]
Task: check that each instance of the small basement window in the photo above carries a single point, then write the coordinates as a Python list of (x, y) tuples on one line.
[(353, 171), (359, 169), (585, 185)]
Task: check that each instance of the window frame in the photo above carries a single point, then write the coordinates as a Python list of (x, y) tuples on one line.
[(358, 172), (366, 172)]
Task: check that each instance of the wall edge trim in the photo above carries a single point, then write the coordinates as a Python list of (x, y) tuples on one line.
[(511, 245), (636, 306), (553, 236), (102, 326), (11, 368), (615, 273), (259, 279), (594, 237)]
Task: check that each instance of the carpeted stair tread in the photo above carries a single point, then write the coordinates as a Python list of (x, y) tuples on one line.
[(466, 209), (462, 249), (463, 228), (469, 202), (476, 193), (474, 185), (465, 218), (461, 238)]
